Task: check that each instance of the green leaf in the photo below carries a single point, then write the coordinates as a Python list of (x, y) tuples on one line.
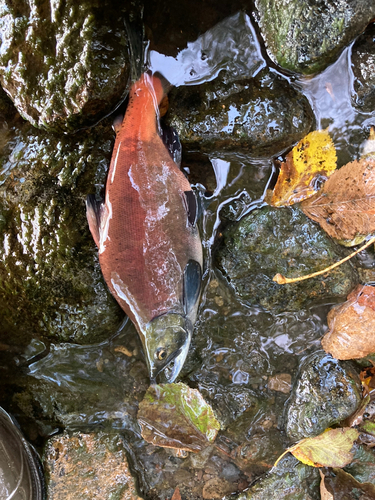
[(176, 416), (368, 427)]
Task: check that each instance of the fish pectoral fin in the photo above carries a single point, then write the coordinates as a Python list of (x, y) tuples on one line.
[(93, 214), (171, 141), (192, 285), (191, 207)]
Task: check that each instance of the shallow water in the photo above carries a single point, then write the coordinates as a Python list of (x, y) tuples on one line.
[(235, 349)]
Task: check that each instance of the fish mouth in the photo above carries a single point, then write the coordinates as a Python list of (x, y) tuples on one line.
[(167, 341)]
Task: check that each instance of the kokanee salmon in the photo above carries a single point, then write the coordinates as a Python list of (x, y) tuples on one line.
[(150, 251)]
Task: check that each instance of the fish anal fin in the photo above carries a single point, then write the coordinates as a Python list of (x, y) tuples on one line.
[(93, 214), (192, 285)]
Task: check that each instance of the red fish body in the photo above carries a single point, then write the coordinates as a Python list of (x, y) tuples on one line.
[(150, 252)]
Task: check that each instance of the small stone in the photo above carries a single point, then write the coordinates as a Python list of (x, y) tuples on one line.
[(215, 488), (281, 382), (88, 467)]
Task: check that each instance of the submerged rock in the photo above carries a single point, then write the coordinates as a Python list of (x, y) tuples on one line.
[(281, 240), (50, 279), (88, 466), (64, 65), (363, 65), (290, 480), (261, 116), (326, 392), (305, 36)]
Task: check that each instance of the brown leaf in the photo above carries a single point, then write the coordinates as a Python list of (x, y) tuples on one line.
[(176, 494), (345, 207), (324, 493), (352, 325), (345, 486)]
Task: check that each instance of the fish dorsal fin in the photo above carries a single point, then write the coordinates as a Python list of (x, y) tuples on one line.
[(191, 207), (192, 285), (93, 214)]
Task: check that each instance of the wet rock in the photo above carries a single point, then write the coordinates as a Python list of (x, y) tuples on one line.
[(305, 36), (362, 468), (326, 392), (88, 466), (63, 65), (261, 116), (215, 488), (290, 480), (281, 240), (363, 65), (82, 386), (50, 279)]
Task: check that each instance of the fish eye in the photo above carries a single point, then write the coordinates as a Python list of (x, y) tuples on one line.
[(161, 353)]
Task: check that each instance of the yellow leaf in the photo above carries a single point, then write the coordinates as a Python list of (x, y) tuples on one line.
[(330, 449), (309, 163)]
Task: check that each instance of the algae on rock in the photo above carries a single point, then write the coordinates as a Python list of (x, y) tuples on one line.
[(261, 116), (281, 240), (64, 64), (50, 280), (305, 36)]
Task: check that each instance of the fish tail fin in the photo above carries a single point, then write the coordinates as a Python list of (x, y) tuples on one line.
[(138, 47)]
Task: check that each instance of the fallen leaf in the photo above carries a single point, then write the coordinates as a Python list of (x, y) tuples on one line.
[(324, 493), (344, 486), (345, 206), (356, 418), (329, 449), (176, 416), (176, 494), (309, 164), (367, 377), (351, 326)]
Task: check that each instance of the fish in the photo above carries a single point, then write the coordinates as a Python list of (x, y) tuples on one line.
[(150, 251)]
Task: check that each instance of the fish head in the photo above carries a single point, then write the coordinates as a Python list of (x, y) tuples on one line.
[(166, 344)]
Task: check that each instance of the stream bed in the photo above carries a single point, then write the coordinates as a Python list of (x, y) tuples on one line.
[(72, 371)]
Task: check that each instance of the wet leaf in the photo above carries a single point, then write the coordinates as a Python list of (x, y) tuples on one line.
[(324, 493), (329, 449), (345, 206), (368, 427), (345, 487), (176, 494), (309, 163), (367, 377), (176, 416), (351, 326)]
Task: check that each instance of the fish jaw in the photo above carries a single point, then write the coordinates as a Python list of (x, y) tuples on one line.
[(166, 345)]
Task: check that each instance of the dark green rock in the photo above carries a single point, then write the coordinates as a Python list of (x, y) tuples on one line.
[(260, 116), (50, 279), (285, 241), (363, 65), (306, 36), (63, 65), (326, 392), (290, 480)]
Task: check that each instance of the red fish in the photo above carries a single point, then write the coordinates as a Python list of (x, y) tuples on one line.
[(150, 251)]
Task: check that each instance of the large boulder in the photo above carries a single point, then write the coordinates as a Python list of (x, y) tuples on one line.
[(306, 36), (64, 64), (261, 116), (281, 240), (50, 279)]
